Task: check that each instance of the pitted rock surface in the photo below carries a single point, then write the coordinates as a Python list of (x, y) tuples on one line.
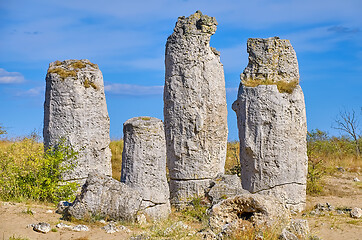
[(195, 110), (271, 59), (241, 210), (105, 197), (144, 164), (272, 130), (75, 110)]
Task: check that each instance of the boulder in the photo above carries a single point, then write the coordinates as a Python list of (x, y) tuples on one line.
[(272, 123), (144, 164), (75, 111), (224, 186), (105, 197), (195, 111), (248, 209)]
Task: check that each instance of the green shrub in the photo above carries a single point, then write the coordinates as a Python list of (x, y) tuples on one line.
[(27, 172)]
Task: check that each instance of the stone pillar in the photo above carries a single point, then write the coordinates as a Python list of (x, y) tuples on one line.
[(195, 110), (144, 164), (272, 123), (75, 110)]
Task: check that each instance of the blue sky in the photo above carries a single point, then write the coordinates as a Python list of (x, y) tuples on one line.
[(127, 40)]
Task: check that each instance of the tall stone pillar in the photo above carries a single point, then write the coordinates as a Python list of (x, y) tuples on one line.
[(144, 164), (195, 112), (272, 123), (75, 110)]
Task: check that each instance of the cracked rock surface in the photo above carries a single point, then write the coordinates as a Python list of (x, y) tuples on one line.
[(75, 110), (272, 126), (105, 197), (195, 110), (144, 164)]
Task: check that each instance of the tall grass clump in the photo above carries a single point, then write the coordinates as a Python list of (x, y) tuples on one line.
[(29, 173)]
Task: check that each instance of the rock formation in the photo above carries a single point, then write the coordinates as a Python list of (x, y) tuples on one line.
[(272, 123), (248, 210), (224, 186), (144, 164), (105, 197), (75, 110), (195, 111)]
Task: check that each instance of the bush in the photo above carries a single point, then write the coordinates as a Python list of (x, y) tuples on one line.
[(26, 172)]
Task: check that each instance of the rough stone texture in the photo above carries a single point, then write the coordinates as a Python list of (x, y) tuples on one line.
[(224, 186), (356, 212), (255, 209), (75, 110), (272, 125), (106, 197), (42, 227), (144, 164), (195, 110), (271, 58)]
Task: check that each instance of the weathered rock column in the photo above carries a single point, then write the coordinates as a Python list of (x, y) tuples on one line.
[(195, 112), (75, 110), (272, 123), (144, 164)]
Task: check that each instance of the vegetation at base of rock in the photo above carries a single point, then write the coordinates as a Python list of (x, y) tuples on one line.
[(283, 86), (29, 173), (253, 232)]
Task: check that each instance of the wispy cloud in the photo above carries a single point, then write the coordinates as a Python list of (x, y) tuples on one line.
[(133, 90), (32, 92), (10, 77), (343, 30)]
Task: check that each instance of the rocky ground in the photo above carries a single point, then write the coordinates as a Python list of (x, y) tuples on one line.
[(330, 220)]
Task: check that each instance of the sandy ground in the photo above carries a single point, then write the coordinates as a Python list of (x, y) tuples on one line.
[(340, 191)]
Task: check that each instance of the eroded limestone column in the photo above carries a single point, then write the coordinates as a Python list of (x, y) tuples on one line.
[(144, 164), (272, 123), (195, 112), (75, 110)]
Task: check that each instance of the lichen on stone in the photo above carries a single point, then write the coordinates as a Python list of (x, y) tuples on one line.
[(69, 68)]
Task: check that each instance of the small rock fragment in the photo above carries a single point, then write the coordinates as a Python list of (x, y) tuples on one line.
[(49, 211), (123, 228), (80, 228), (110, 228), (63, 225), (42, 227), (356, 179), (356, 212)]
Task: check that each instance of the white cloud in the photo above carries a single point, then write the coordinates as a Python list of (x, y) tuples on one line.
[(10, 77), (32, 92), (133, 90)]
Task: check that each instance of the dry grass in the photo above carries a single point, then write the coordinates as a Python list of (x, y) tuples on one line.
[(63, 73), (116, 147), (283, 87)]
